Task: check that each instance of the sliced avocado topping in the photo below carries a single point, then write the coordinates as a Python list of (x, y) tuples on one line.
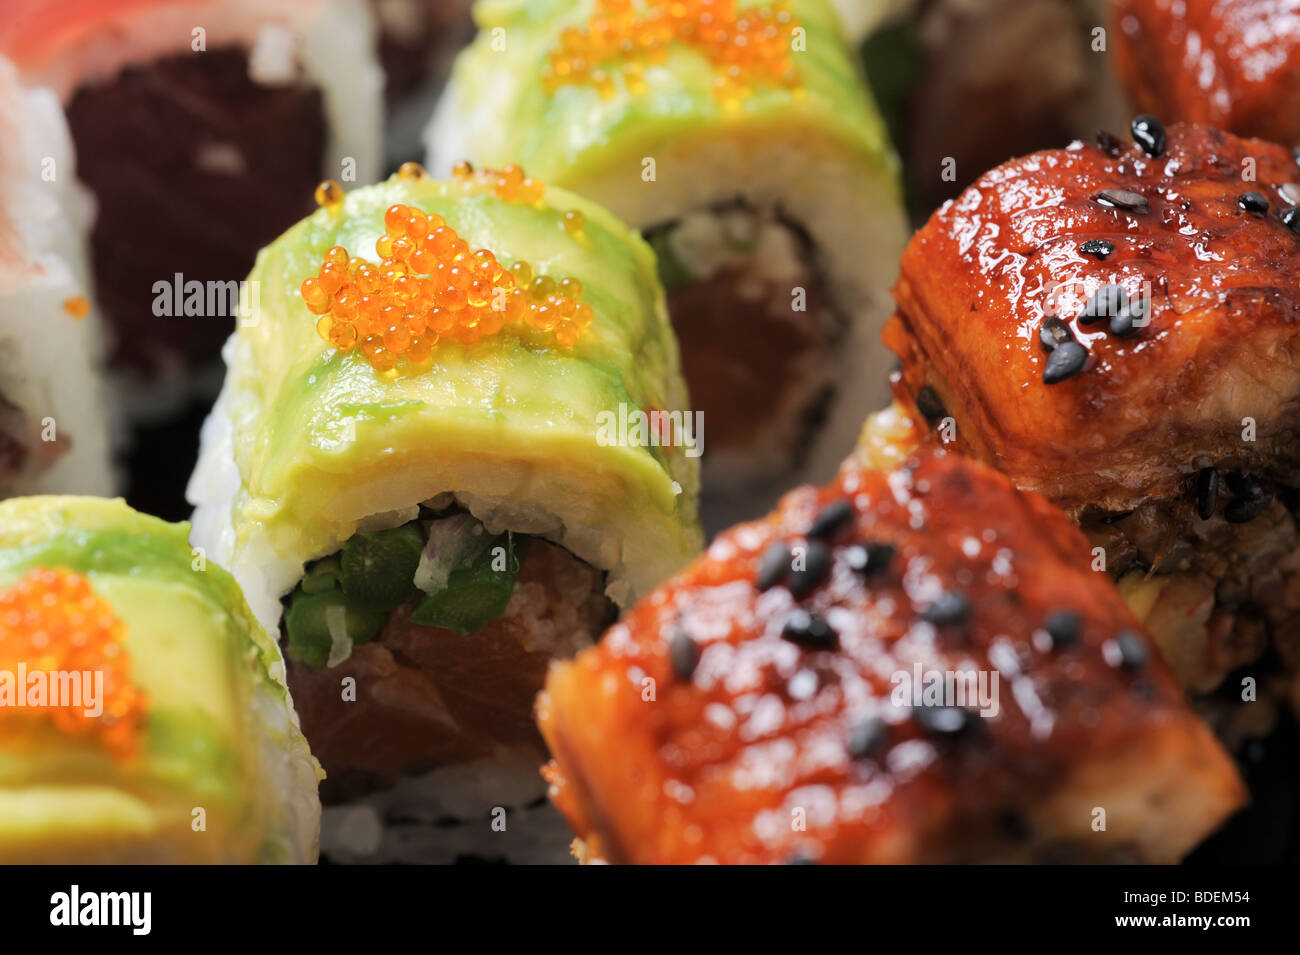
[(377, 569), (478, 591)]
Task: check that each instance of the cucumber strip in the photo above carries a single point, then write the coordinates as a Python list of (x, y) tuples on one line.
[(378, 570), (308, 626), (477, 593)]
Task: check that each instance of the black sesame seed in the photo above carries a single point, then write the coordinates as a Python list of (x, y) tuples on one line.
[(1127, 318), (865, 737), (1054, 332), (1064, 362), (1098, 248), (1108, 143), (1123, 199), (928, 403), (816, 565), (945, 720), (1207, 492), (869, 558), (951, 607), (1107, 302), (683, 654), (1149, 133), (1291, 219), (831, 519), (1063, 627), (1254, 202), (1241, 510), (809, 630), (1132, 650), (773, 567)]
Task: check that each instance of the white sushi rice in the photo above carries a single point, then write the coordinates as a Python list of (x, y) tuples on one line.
[(49, 360)]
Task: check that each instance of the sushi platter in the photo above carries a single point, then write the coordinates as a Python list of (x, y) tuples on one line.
[(649, 432)]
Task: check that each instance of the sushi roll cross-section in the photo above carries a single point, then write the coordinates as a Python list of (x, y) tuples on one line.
[(1115, 327), (740, 139), (913, 665), (201, 127), (418, 460), (54, 432), (143, 712)]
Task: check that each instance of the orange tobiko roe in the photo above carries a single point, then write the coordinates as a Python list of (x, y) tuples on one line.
[(746, 46), (52, 622), (429, 286)]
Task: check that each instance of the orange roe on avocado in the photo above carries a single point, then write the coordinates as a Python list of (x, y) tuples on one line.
[(508, 184), (746, 46), (429, 287), (52, 621)]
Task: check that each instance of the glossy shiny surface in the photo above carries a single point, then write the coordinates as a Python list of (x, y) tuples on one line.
[(1234, 64), (750, 758), (1221, 345)]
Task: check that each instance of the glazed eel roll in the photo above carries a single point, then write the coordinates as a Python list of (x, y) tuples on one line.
[(1234, 64), (201, 127), (916, 665), (54, 430), (143, 712), (422, 456), (741, 140), (1117, 326)]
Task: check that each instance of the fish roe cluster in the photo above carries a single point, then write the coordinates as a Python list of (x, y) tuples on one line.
[(746, 46), (429, 286), (53, 622), (509, 184)]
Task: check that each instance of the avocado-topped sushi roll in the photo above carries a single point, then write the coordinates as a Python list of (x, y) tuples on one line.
[(201, 127), (740, 139), (143, 712), (53, 429), (447, 451)]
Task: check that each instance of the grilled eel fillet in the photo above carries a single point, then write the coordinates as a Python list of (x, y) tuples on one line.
[(751, 710)]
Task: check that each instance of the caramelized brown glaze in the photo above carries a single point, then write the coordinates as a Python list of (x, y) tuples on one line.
[(1221, 350), (697, 731), (1234, 64)]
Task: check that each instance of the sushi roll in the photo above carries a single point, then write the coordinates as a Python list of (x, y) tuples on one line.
[(54, 431), (1234, 64), (201, 128), (143, 712), (742, 142), (908, 666), (1115, 327), (445, 453)]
